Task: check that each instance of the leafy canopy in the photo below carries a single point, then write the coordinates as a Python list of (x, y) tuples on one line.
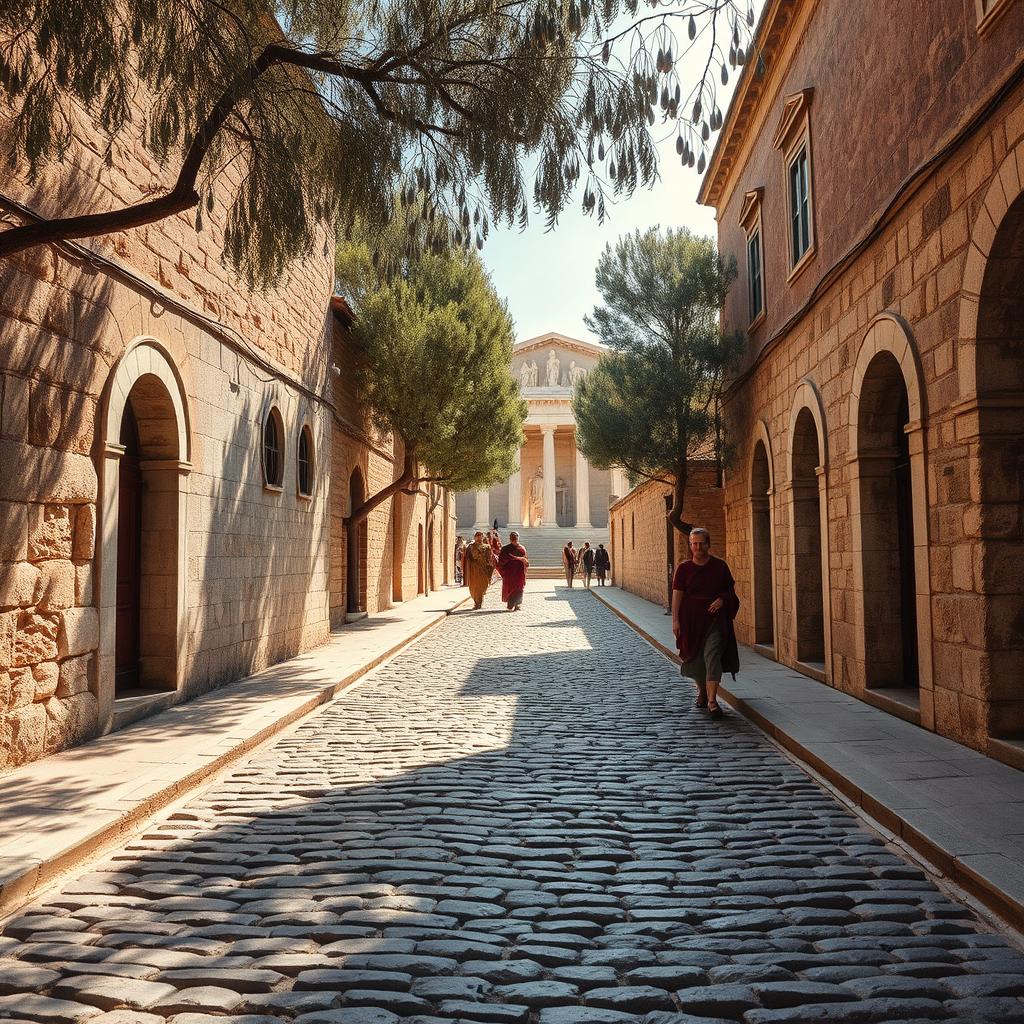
[(437, 346), (355, 111), (654, 400)]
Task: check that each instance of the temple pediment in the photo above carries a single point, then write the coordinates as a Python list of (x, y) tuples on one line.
[(553, 361)]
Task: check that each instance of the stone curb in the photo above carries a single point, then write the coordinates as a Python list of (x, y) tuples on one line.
[(22, 884), (982, 889)]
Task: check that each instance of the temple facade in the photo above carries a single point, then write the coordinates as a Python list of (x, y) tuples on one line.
[(554, 486)]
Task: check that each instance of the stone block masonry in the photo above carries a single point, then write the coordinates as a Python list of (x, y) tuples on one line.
[(638, 536), (47, 503), (157, 359)]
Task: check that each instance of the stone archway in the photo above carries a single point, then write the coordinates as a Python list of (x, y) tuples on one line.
[(990, 421), (762, 529), (142, 550), (808, 524), (889, 517), (355, 549)]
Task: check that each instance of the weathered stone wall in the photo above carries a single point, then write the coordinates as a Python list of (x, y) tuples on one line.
[(638, 535), (916, 290), (255, 560), (391, 570)]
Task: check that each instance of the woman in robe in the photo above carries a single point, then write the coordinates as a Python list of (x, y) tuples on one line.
[(477, 568), (512, 564)]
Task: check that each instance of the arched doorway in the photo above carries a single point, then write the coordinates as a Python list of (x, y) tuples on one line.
[(999, 535), (397, 547), (763, 582), (420, 575), (808, 570), (142, 536), (355, 548), (887, 498)]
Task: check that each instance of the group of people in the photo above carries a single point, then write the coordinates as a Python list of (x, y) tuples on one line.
[(585, 561), (476, 563), (704, 600)]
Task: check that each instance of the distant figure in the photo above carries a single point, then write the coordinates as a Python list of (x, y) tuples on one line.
[(460, 550), (495, 525), (512, 564), (602, 563), (495, 544), (587, 563), (704, 603), (569, 563), (478, 567)]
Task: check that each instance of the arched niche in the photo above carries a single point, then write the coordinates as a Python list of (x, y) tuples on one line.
[(888, 501), (990, 363), (147, 450), (761, 475), (807, 464)]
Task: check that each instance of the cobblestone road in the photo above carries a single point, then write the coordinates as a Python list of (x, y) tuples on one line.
[(519, 819)]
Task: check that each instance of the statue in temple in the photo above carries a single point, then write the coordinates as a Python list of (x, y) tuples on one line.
[(561, 500), (552, 369), (537, 497), (576, 374), (525, 375), (534, 372)]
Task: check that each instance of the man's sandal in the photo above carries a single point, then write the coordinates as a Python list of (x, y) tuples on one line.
[(701, 701), (715, 711)]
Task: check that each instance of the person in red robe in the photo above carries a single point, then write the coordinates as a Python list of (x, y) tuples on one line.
[(512, 565), (704, 603)]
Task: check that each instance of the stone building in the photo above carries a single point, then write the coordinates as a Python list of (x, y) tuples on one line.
[(869, 183), (165, 448), (555, 493), (645, 547)]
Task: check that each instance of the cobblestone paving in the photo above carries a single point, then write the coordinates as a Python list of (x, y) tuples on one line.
[(519, 820)]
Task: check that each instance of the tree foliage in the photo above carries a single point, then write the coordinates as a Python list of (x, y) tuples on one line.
[(436, 347), (355, 111), (654, 400)]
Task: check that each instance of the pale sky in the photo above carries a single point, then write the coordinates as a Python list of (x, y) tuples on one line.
[(547, 277)]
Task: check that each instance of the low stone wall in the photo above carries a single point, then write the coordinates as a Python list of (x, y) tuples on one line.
[(638, 535)]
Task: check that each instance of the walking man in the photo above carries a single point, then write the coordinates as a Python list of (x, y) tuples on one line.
[(704, 603), (602, 563), (587, 561), (477, 568), (512, 564), (569, 556)]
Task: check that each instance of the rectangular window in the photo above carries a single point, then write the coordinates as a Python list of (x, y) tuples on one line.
[(799, 206), (754, 275)]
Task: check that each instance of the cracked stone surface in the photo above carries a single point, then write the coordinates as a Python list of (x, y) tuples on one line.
[(518, 820)]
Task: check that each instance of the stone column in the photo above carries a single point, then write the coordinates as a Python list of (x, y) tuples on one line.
[(582, 491), (515, 494), (483, 510), (550, 517)]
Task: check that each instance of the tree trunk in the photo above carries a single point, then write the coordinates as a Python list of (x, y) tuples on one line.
[(675, 515), (406, 479)]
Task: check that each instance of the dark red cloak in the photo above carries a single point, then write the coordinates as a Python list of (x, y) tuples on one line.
[(512, 563)]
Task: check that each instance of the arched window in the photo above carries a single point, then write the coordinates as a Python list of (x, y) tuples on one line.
[(304, 462), (273, 449)]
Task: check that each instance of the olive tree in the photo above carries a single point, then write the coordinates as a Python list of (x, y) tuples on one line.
[(435, 347), (655, 400)]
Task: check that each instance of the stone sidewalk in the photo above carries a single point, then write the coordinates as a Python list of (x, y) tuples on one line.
[(56, 811), (961, 810)]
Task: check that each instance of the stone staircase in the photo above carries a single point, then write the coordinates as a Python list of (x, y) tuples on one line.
[(544, 545)]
